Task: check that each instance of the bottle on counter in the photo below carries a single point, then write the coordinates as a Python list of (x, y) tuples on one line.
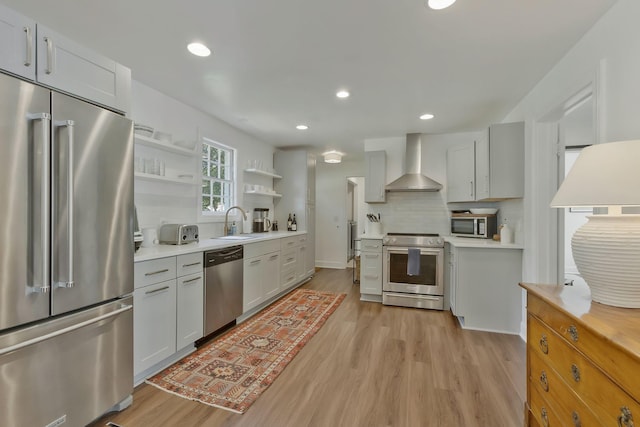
[(289, 222), (294, 224), (506, 234), (234, 228)]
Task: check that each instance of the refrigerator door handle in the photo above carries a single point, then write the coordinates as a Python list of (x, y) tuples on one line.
[(41, 283), (63, 331), (70, 195)]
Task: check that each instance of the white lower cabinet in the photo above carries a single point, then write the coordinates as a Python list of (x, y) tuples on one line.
[(167, 308), (371, 267), (154, 324), (483, 286), (261, 270), (189, 303)]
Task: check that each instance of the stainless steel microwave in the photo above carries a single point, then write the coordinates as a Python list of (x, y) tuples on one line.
[(471, 225)]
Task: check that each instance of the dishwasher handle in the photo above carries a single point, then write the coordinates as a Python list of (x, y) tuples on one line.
[(222, 256)]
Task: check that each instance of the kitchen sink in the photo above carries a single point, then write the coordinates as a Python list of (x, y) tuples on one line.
[(234, 237)]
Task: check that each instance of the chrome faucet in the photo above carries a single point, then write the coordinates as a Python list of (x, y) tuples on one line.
[(226, 218)]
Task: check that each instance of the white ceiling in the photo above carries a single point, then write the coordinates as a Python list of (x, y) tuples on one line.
[(278, 63)]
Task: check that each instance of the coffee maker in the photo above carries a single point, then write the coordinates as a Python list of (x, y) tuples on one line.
[(261, 221)]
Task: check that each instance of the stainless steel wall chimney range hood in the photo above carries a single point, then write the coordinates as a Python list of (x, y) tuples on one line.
[(413, 180)]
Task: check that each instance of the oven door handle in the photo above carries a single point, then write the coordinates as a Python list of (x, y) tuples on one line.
[(414, 296)]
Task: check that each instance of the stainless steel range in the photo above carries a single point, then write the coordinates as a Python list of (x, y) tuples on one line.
[(413, 271)]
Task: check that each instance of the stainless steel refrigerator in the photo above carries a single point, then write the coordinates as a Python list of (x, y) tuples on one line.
[(66, 257)]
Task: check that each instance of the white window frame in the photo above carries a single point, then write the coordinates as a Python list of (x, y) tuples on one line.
[(206, 189)]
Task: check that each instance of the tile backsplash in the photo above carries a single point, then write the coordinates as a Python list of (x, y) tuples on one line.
[(413, 212)]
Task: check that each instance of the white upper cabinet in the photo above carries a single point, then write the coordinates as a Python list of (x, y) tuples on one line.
[(490, 168), (376, 176), (461, 173), (64, 64), (17, 43), (37, 53), (506, 162)]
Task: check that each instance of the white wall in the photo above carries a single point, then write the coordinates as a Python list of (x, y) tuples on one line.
[(331, 211), (605, 54), (159, 202)]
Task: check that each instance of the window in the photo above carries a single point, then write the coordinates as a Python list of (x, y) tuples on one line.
[(218, 177)]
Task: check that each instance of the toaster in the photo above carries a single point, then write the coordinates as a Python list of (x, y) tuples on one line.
[(177, 234)]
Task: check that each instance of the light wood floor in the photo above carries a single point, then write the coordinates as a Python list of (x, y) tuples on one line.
[(370, 365)]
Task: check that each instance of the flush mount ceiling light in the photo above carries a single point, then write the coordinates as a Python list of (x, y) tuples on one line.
[(302, 127), (332, 157), (342, 94), (440, 4), (198, 49), (427, 116)]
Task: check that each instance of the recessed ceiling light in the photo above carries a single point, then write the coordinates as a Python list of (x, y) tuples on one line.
[(440, 4), (198, 49), (342, 94), (427, 116), (302, 127)]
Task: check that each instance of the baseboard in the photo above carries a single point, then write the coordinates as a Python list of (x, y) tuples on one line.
[(331, 264)]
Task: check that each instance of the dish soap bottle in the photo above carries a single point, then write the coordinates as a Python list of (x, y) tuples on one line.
[(506, 234), (234, 229)]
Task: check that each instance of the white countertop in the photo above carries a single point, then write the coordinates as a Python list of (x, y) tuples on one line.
[(470, 242), (162, 251)]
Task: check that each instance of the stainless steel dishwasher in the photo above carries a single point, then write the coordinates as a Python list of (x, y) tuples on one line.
[(222, 287)]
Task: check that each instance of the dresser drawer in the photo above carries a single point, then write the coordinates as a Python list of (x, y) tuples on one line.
[(558, 395), (603, 396), (620, 365), (154, 271), (542, 413), (190, 263)]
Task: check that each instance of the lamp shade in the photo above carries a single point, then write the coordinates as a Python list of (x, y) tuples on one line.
[(603, 175)]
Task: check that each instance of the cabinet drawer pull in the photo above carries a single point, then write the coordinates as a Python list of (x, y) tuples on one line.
[(195, 279), (274, 256), (191, 265), (371, 246), (575, 371), (255, 261), (544, 345), (545, 417), (157, 290), (625, 419), (29, 38), (368, 277), (156, 272), (544, 382), (573, 332), (576, 419), (290, 259), (371, 256)]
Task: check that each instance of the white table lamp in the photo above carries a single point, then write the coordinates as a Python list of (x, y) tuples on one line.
[(606, 249)]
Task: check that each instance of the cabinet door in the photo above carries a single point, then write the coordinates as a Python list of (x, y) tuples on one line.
[(371, 274), (376, 176), (506, 158), (190, 309), (154, 324), (483, 188), (65, 65), (271, 275), (17, 44), (461, 173), (252, 294)]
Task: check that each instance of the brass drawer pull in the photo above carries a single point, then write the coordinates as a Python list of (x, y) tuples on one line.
[(575, 371), (576, 419), (625, 419), (544, 382), (573, 331), (545, 417), (544, 345)]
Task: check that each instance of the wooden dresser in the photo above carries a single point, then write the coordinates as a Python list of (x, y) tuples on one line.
[(583, 360)]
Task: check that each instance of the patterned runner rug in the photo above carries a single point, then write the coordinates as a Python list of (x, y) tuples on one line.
[(233, 370)]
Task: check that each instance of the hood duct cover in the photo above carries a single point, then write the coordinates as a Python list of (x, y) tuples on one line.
[(413, 180)]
